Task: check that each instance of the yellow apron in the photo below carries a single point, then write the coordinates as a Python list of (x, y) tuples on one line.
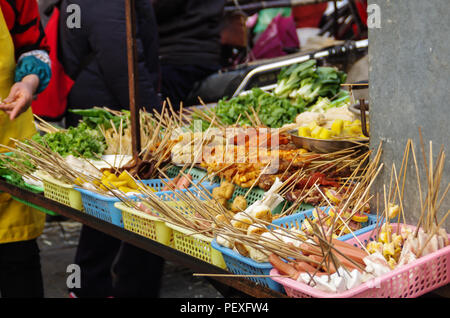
[(18, 222)]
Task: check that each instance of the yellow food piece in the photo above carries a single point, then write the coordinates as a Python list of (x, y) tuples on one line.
[(106, 184), (316, 132), (111, 177), (397, 240), (337, 126), (347, 131), (325, 134), (347, 123), (388, 249), (398, 251), (384, 237), (79, 182), (361, 218), (333, 196), (328, 222), (391, 262), (314, 213), (132, 184), (304, 131), (344, 215), (118, 184), (356, 129), (386, 228), (106, 173), (393, 210), (126, 189), (374, 247), (125, 176), (151, 189)]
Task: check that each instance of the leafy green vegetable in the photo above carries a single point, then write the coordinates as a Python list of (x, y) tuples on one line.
[(10, 175), (324, 103), (291, 77), (273, 111), (299, 87), (95, 117), (76, 141), (324, 82)]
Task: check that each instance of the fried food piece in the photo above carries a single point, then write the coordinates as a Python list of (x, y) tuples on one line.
[(227, 189), (241, 221), (239, 204), (241, 249), (262, 213)]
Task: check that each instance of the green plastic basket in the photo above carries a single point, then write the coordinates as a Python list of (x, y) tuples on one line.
[(23, 186), (254, 195), (197, 174), (258, 193), (172, 171)]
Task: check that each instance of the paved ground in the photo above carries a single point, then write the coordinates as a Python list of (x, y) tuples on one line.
[(58, 246)]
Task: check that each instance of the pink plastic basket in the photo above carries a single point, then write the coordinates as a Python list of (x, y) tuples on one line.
[(408, 281)]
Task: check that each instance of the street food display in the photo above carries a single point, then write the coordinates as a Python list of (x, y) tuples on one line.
[(241, 187)]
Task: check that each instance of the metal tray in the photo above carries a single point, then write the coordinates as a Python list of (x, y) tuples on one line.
[(326, 145)]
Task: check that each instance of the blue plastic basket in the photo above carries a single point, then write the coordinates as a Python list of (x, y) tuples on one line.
[(296, 220), (238, 264), (102, 206)]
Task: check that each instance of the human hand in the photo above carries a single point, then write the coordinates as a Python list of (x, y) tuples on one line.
[(20, 96)]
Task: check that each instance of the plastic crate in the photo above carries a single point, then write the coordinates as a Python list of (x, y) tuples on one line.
[(25, 186), (196, 245), (238, 264), (62, 193), (172, 171), (256, 194), (145, 225), (408, 281), (102, 206), (296, 220), (22, 185)]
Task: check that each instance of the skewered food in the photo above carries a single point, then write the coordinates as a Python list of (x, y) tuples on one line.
[(239, 204)]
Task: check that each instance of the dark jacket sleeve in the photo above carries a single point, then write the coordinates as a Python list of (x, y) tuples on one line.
[(103, 35)]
